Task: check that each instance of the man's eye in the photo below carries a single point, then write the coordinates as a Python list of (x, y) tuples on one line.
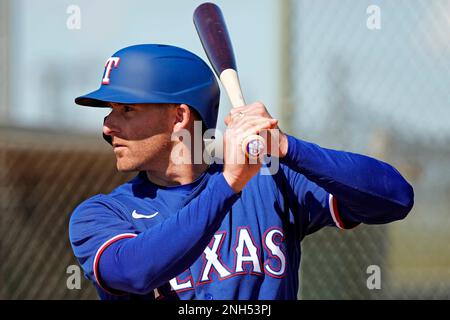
[(127, 109)]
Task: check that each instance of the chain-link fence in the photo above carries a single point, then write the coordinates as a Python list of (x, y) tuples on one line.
[(40, 185)]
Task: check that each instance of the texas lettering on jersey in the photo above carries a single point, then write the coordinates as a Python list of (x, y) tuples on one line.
[(247, 260)]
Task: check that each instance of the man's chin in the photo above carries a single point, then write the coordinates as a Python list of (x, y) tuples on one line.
[(125, 168)]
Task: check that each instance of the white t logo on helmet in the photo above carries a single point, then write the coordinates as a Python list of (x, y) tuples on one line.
[(113, 61)]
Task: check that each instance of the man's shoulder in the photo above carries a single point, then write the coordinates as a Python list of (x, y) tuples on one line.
[(110, 202), (99, 202), (121, 194)]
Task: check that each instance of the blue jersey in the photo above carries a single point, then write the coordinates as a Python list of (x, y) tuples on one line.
[(203, 241)]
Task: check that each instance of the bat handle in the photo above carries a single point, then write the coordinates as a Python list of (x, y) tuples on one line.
[(253, 145)]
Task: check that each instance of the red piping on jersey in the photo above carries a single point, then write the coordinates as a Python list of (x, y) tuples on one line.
[(99, 253), (335, 212)]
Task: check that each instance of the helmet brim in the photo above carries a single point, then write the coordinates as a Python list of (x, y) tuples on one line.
[(109, 94), (104, 96)]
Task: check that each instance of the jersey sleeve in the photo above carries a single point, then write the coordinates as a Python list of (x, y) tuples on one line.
[(352, 188), (313, 206), (94, 225)]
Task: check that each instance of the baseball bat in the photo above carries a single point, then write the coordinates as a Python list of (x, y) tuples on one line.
[(212, 31)]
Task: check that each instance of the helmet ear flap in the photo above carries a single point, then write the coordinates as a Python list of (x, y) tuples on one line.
[(105, 137)]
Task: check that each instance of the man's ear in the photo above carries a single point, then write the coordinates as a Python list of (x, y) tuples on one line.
[(183, 117)]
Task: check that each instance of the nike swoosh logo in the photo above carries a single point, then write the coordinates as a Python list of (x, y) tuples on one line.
[(141, 216)]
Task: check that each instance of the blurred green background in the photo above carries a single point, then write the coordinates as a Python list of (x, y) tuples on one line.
[(365, 76)]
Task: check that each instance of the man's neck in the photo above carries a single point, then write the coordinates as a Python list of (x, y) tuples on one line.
[(175, 175)]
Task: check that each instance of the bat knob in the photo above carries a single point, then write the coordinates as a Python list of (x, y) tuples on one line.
[(253, 146)]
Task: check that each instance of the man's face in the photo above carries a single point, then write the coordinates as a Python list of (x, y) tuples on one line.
[(141, 135)]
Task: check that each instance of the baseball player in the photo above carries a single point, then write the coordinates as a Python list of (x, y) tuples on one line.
[(210, 230)]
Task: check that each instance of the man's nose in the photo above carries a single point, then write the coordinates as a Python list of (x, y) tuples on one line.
[(109, 125)]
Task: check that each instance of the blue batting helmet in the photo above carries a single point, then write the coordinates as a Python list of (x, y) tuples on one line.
[(154, 73)]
